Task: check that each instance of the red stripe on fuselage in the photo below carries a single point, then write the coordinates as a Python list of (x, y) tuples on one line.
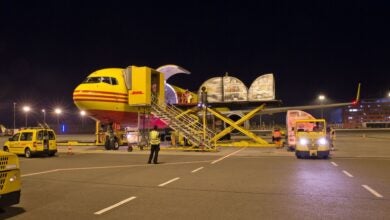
[(101, 96), (102, 92), (99, 100)]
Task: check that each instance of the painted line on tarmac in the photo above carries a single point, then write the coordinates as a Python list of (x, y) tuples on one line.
[(375, 193), (334, 164), (169, 181), (114, 206), (108, 167), (224, 157), (196, 170), (348, 174), (38, 173)]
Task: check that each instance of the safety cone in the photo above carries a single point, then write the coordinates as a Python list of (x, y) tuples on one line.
[(70, 150)]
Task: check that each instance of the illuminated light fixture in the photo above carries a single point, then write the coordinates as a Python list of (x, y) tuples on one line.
[(57, 111), (26, 109), (83, 113), (303, 141), (44, 115), (322, 141), (12, 178)]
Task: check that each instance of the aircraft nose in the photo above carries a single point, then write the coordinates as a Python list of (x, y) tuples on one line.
[(78, 94)]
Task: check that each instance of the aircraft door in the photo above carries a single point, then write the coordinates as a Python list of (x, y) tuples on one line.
[(144, 81), (157, 87)]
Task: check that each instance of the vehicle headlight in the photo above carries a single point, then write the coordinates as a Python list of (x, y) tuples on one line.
[(303, 141), (322, 141), (12, 178)]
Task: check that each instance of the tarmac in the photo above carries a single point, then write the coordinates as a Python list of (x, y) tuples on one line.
[(366, 143)]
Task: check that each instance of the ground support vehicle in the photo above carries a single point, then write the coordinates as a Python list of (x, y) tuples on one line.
[(31, 141), (311, 139), (10, 185), (135, 138)]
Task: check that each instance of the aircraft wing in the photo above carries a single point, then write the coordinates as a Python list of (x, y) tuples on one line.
[(273, 110), (305, 107)]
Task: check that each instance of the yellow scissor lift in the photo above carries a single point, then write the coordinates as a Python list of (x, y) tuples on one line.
[(210, 139), (256, 141)]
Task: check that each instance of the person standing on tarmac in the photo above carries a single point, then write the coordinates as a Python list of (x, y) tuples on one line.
[(154, 138), (277, 137)]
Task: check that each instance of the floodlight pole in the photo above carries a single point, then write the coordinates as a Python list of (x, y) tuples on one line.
[(321, 98), (14, 116)]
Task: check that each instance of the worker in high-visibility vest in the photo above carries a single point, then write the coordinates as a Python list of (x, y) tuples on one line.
[(277, 137), (154, 139), (330, 135)]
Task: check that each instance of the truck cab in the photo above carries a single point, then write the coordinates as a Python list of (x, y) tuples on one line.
[(311, 139)]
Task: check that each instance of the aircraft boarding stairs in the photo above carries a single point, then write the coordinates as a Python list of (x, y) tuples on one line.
[(186, 124)]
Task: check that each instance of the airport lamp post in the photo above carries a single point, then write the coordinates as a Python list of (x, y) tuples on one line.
[(14, 117), (44, 116), (321, 98), (82, 114), (58, 112), (26, 109)]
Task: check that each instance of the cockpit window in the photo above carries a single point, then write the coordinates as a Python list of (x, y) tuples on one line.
[(101, 79), (106, 80), (92, 80), (114, 81)]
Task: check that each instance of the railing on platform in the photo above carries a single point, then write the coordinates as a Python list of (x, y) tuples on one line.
[(186, 123)]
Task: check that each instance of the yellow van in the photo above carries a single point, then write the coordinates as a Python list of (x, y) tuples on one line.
[(32, 141)]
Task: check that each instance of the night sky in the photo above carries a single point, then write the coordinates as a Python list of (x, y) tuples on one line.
[(312, 47)]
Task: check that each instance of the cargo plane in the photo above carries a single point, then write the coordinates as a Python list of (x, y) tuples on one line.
[(118, 97)]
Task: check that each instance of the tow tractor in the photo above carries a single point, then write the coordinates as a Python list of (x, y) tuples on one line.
[(311, 139)]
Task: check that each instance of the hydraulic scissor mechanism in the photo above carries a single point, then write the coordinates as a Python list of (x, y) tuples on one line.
[(236, 125), (199, 134)]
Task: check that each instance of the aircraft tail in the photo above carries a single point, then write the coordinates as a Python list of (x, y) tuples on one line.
[(357, 100)]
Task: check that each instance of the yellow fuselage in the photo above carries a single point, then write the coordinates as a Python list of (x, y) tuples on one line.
[(104, 96)]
